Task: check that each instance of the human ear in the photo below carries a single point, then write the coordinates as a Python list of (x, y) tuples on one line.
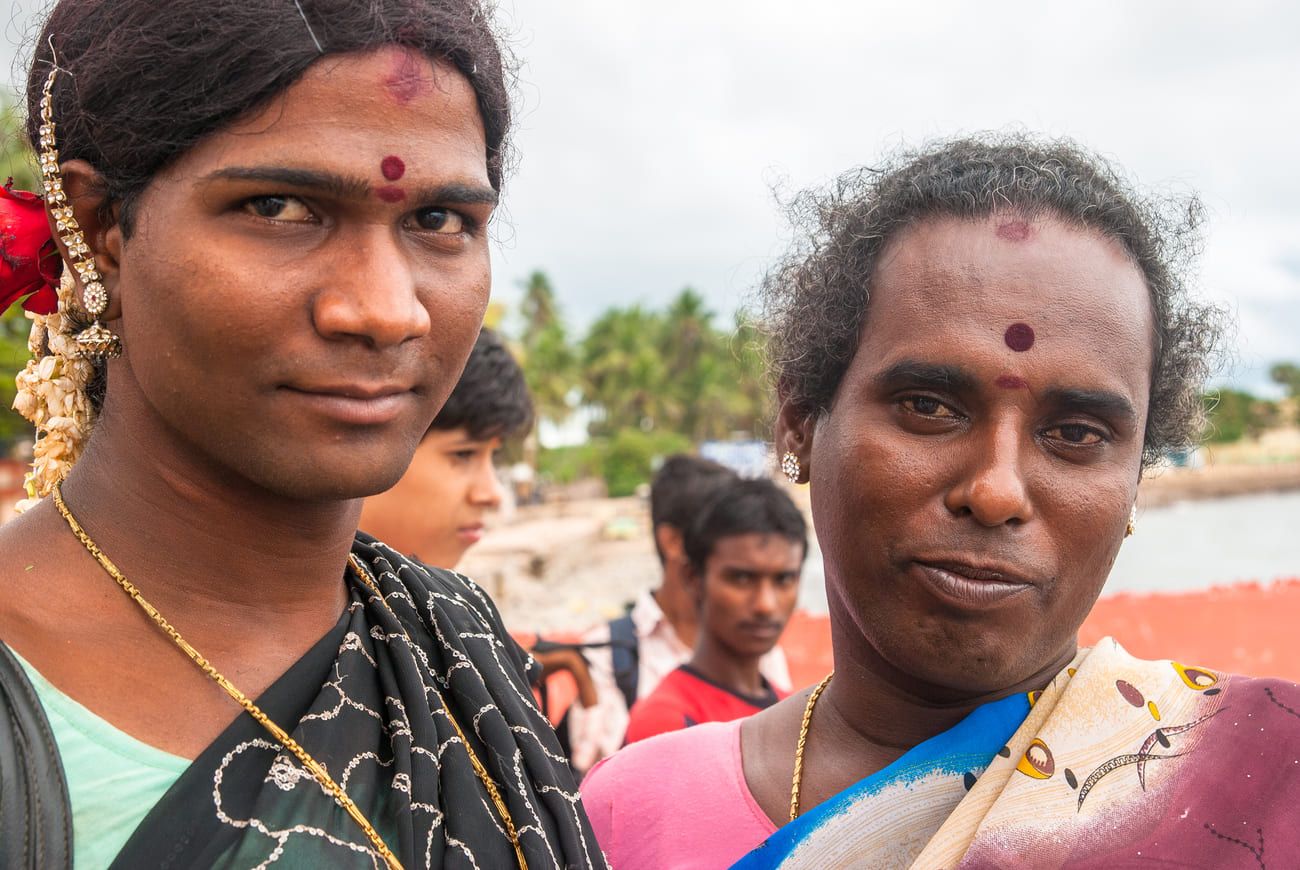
[(794, 434), (100, 227), (670, 543)]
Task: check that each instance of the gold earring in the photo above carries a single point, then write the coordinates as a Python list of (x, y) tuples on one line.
[(790, 467), (96, 342), (1132, 522)]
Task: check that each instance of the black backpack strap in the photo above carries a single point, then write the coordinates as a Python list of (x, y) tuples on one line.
[(624, 647), (35, 820)]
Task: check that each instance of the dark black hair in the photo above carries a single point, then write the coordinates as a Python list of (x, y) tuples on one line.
[(491, 398), (680, 486), (142, 81), (816, 298), (743, 507)]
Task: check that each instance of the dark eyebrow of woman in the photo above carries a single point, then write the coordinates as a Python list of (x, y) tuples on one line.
[(926, 376), (345, 187), (1099, 403)]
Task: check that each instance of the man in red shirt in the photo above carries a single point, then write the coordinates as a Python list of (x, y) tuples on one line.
[(745, 548)]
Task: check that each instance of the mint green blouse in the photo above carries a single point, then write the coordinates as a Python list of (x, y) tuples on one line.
[(113, 779)]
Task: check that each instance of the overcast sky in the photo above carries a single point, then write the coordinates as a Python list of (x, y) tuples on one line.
[(652, 134)]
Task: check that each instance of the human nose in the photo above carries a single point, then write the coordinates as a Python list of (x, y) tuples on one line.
[(485, 489), (766, 601), (992, 488), (372, 295)]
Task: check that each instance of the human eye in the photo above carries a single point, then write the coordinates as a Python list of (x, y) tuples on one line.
[(463, 457), (441, 221), (279, 207), (927, 406), (1076, 434)]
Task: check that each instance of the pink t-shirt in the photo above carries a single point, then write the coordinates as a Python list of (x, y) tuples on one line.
[(677, 801)]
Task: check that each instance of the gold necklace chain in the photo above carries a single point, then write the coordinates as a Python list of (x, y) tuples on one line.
[(316, 768), (512, 833), (803, 742)]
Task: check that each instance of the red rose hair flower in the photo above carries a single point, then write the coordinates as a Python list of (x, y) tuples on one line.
[(30, 265)]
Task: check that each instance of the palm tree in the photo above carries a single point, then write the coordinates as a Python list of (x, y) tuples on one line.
[(624, 371), (548, 358)]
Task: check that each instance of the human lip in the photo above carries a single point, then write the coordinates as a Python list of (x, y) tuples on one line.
[(763, 629), (471, 534), (358, 403), (970, 585)]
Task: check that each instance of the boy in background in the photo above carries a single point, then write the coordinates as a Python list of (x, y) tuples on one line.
[(745, 550), (635, 652), (436, 511)]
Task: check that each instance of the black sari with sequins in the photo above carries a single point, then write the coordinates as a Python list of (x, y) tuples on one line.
[(368, 703)]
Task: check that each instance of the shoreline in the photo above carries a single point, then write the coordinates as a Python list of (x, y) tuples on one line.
[(1172, 485)]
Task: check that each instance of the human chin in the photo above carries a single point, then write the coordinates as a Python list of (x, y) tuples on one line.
[(306, 462), (927, 647)]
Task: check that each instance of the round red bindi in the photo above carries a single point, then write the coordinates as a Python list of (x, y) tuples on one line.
[(392, 167), (390, 194), (1019, 337), (1013, 231)]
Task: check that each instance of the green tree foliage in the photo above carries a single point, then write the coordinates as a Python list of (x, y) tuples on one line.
[(550, 365), (652, 382), (624, 461), (624, 374), (1288, 375), (16, 158), (675, 371), (14, 329), (630, 456), (1234, 414)]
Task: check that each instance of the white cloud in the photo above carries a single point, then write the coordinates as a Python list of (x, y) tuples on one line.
[(653, 132)]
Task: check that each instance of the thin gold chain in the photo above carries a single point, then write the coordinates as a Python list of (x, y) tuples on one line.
[(480, 770), (316, 768), (803, 742)]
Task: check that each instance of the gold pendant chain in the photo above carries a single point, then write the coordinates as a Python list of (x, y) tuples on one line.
[(803, 742), (316, 768), (512, 833)]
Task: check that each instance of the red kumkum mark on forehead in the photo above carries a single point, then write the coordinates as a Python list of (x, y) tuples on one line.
[(1011, 382), (1013, 231), (407, 80), (1019, 337), (389, 193), (392, 167)]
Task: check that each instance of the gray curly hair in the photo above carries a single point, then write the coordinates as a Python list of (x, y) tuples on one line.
[(815, 298)]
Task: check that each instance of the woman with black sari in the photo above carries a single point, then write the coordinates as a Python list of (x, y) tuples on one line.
[(258, 264)]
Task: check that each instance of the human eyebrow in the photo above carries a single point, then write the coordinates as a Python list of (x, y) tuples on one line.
[(344, 187), (338, 186), (456, 194), (1098, 403), (926, 376)]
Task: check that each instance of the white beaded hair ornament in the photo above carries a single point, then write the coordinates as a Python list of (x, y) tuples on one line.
[(68, 345)]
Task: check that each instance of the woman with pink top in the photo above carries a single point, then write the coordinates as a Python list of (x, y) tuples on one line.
[(979, 348)]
